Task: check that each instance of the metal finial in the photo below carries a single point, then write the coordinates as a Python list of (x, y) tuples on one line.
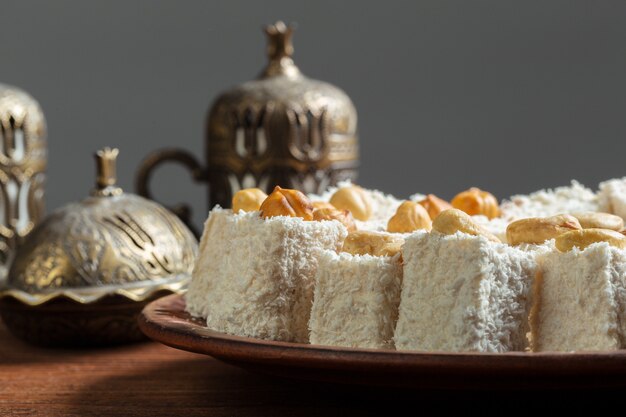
[(279, 50), (279, 43), (106, 172)]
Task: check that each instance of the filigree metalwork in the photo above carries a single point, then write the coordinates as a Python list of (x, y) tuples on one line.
[(64, 322), (280, 129), (306, 129), (106, 242), (83, 275), (22, 165)]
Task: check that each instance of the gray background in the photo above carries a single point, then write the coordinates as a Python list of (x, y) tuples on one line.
[(507, 96)]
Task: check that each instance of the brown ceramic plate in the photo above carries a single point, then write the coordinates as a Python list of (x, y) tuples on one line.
[(166, 321)]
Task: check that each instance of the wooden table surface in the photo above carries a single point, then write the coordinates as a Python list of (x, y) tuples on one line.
[(150, 379)]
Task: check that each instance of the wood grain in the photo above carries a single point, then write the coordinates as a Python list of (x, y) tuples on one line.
[(150, 379), (153, 380), (146, 379)]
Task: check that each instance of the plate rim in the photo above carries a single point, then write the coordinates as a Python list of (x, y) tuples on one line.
[(160, 322)]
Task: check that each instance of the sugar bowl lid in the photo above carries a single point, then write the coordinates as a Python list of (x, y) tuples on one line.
[(111, 243)]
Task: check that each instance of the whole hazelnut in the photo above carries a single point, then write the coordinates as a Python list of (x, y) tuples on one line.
[(248, 199), (409, 217), (476, 201), (354, 199), (286, 202), (343, 216), (434, 205)]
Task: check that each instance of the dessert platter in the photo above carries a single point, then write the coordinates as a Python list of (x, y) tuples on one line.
[(356, 286)]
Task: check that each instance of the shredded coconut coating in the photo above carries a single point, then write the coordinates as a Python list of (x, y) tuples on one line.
[(544, 203), (464, 293), (255, 277), (356, 300)]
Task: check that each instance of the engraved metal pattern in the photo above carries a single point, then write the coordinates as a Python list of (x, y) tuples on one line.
[(105, 243), (297, 131), (66, 323), (22, 164), (280, 129)]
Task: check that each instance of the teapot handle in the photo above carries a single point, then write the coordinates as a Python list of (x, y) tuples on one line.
[(160, 156)]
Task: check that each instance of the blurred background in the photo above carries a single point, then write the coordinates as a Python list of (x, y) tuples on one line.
[(509, 96)]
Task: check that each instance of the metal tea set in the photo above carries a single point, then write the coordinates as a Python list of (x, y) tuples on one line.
[(81, 275)]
